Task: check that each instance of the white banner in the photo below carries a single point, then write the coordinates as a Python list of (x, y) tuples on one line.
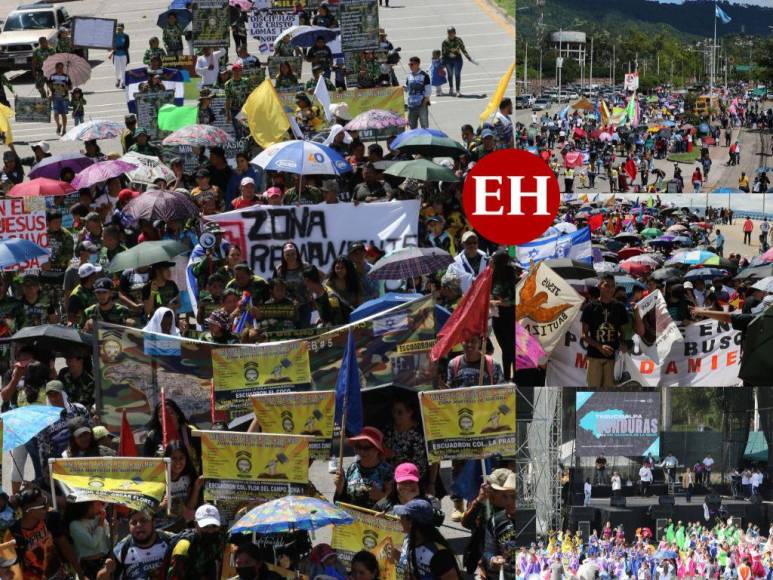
[(632, 81), (546, 305), (709, 356), (660, 330), (322, 232), (25, 218), (266, 25)]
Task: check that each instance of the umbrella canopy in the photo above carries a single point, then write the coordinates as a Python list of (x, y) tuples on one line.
[(605, 136), (765, 285), (290, 513), (94, 130), (244, 5), (183, 17), (376, 119), (76, 67), (571, 269), (51, 167), (146, 254), (431, 146), (651, 232), (22, 424), (305, 36), (16, 251), (765, 258), (198, 136), (628, 283), (694, 258), (149, 169), (52, 337), (628, 238), (161, 204), (606, 267), (528, 350), (302, 158), (637, 268), (40, 187), (101, 172), (421, 170), (756, 363), (663, 274), (626, 253), (409, 263), (757, 272), (414, 133), (676, 228), (583, 105), (705, 274)]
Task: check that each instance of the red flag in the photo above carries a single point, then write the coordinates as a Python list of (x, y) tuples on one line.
[(630, 169), (126, 445), (470, 317), (168, 425), (595, 221)]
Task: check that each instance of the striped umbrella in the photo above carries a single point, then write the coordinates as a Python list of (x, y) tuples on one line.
[(101, 172), (198, 136), (409, 263), (95, 129)]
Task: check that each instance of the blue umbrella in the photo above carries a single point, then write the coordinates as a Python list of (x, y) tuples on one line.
[(705, 274), (183, 17), (415, 133), (727, 190), (178, 4), (16, 251), (628, 283), (704, 128), (291, 513), (665, 554), (302, 158), (305, 36), (22, 424), (392, 299), (668, 124)]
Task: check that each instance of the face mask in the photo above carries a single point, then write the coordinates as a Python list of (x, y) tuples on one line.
[(246, 572), (93, 258)]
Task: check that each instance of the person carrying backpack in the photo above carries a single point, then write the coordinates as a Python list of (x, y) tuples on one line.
[(464, 370), (197, 553), (139, 555)]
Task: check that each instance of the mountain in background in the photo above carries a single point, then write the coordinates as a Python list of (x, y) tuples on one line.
[(692, 19)]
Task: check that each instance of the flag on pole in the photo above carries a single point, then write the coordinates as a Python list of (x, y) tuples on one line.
[(5, 124), (320, 92), (348, 391), (499, 93), (604, 113), (721, 14), (265, 115), (126, 445), (630, 110)]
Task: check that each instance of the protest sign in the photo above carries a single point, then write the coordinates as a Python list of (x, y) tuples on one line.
[(266, 25), (25, 218), (469, 423), (660, 331), (322, 232), (708, 356), (617, 423), (148, 105), (250, 465), (32, 110), (361, 100), (375, 532), (308, 413), (546, 305), (134, 482), (181, 61), (210, 24), (358, 20), (295, 62), (90, 32)]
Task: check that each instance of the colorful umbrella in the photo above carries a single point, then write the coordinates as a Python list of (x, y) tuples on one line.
[(16, 251), (528, 350), (705, 274), (431, 146), (40, 186), (291, 513), (676, 228), (414, 133), (409, 263), (694, 258), (149, 169), (198, 136), (636, 268), (101, 172), (305, 36), (767, 257), (22, 424), (161, 204), (421, 170), (94, 130), (302, 158), (604, 136), (146, 254), (376, 119), (76, 67), (51, 167), (651, 232), (628, 283)]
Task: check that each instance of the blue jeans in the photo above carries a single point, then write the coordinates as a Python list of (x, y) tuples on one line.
[(454, 68), (418, 116)]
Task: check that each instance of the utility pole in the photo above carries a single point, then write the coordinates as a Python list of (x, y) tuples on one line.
[(590, 75), (526, 68), (559, 61), (614, 65)]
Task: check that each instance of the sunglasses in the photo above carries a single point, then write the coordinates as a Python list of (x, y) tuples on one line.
[(363, 447)]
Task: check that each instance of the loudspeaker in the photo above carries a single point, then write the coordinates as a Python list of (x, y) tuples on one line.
[(713, 500), (617, 501), (666, 500), (660, 528), (584, 528)]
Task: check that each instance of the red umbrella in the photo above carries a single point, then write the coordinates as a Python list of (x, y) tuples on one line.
[(636, 268), (579, 132), (595, 134), (629, 253), (40, 186)]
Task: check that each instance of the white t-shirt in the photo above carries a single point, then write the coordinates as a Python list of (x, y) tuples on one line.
[(587, 488), (745, 479), (617, 483), (645, 474), (756, 479), (105, 199), (209, 77), (708, 462)]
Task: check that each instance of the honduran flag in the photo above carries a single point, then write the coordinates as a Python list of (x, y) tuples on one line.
[(173, 79)]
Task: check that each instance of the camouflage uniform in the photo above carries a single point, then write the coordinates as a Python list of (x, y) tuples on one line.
[(173, 39), (152, 53), (64, 44), (39, 55), (311, 84)]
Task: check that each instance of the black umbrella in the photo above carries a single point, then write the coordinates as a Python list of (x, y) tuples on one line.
[(571, 269), (755, 273), (667, 274), (628, 238), (52, 337), (756, 363), (610, 256)]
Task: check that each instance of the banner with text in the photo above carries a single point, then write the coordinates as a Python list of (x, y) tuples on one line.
[(310, 414), (266, 25), (25, 218), (660, 330), (148, 105), (251, 465), (210, 24), (470, 423), (619, 423)]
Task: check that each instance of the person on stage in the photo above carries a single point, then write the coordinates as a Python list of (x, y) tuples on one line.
[(645, 479)]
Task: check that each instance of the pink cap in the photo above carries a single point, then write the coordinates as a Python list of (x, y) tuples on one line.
[(406, 472), (273, 192)]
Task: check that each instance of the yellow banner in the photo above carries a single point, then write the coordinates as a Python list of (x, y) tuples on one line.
[(242, 367), (244, 465), (133, 482), (360, 100), (306, 413), (370, 531), (471, 423)]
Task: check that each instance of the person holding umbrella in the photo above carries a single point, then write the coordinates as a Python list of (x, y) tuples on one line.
[(172, 35)]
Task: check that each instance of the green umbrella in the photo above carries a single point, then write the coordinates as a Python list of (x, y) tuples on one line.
[(147, 254), (431, 146), (651, 232), (421, 170)]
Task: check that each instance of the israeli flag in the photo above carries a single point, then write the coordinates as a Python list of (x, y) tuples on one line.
[(721, 14), (574, 246)]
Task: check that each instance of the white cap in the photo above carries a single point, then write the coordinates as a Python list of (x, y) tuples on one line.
[(467, 235), (207, 515), (247, 181), (688, 285), (87, 269), (43, 145)]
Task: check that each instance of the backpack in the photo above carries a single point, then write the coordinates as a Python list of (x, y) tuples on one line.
[(456, 364)]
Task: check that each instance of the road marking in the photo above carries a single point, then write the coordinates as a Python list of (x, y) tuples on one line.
[(500, 20)]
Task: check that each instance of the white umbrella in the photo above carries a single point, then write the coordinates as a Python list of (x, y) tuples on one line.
[(149, 169), (766, 284)]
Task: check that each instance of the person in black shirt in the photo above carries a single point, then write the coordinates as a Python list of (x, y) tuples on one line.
[(602, 330)]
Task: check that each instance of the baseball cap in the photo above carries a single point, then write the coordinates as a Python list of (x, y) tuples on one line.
[(236, 66), (207, 515), (140, 131), (127, 195), (86, 246), (468, 236), (88, 269), (273, 192), (688, 285), (247, 181), (100, 431), (501, 479), (103, 284), (330, 185), (417, 510), (406, 472), (42, 145), (54, 387), (486, 133)]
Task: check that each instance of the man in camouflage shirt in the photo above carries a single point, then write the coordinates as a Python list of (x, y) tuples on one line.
[(237, 89), (39, 55), (60, 244), (369, 70), (155, 51), (173, 36), (317, 71), (35, 304), (63, 42), (451, 52)]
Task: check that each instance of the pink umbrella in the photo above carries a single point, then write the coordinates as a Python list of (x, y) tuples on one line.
[(605, 136), (637, 268), (767, 257), (42, 186), (101, 172), (245, 5), (528, 349)]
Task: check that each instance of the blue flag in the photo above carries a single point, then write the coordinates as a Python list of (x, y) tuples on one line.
[(721, 14), (348, 390)]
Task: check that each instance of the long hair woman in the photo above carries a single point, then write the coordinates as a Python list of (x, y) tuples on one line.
[(425, 554), (503, 298), (344, 285)]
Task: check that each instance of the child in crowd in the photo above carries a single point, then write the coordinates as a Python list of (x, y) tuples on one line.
[(437, 73)]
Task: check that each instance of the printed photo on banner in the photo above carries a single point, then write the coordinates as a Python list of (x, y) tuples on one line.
[(375, 532), (624, 424), (309, 413), (148, 105), (210, 24), (248, 465), (469, 423), (136, 483), (660, 331), (25, 218), (32, 110)]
